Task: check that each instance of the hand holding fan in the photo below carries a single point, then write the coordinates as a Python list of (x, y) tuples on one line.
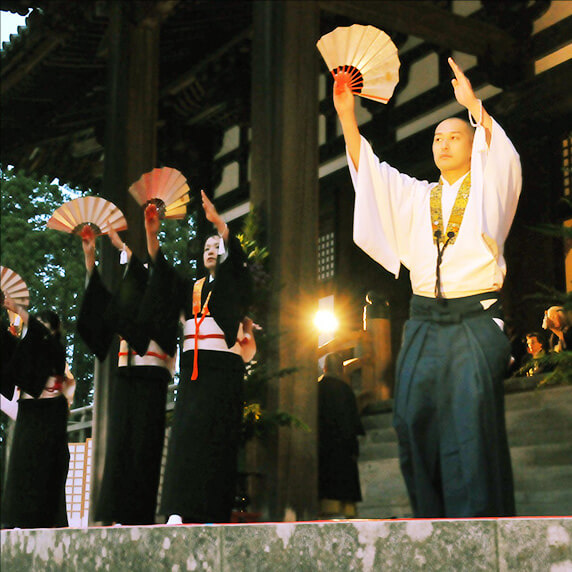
[(166, 188), (364, 58), (88, 216), (12, 286)]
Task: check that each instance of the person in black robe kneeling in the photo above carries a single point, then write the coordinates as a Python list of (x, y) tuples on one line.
[(201, 470)]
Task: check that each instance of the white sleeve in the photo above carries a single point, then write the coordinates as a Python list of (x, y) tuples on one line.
[(496, 173), (384, 207)]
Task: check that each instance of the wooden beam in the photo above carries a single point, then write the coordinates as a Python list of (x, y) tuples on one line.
[(23, 69), (189, 76), (427, 21)]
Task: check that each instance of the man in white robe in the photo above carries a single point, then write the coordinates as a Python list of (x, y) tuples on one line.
[(449, 399)]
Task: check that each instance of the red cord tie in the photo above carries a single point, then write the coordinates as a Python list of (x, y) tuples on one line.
[(197, 290), (152, 354), (58, 385)]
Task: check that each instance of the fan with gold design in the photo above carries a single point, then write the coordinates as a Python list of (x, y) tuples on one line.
[(88, 215), (364, 58), (164, 187)]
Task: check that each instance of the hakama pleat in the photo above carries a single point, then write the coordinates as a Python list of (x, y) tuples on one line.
[(201, 470), (135, 434), (449, 418)]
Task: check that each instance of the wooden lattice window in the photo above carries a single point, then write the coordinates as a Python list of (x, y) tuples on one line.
[(78, 483), (567, 165), (326, 256)]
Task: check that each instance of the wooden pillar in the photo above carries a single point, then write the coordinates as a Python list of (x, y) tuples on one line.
[(284, 183), (130, 143), (568, 257)]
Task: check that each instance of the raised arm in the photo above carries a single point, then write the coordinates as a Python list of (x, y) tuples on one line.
[(152, 226), (345, 107), (11, 305), (88, 244), (466, 97), (119, 244), (213, 216)]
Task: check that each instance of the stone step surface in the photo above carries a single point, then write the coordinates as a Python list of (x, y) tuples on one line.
[(531, 545)]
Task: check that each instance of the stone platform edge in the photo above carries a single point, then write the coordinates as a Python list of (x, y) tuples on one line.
[(502, 544)]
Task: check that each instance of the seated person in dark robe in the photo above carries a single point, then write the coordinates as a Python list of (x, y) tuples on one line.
[(339, 425)]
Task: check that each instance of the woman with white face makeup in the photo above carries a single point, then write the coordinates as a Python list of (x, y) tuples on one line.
[(34, 495), (201, 471)]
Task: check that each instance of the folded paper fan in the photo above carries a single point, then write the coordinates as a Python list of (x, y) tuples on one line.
[(94, 213), (166, 188), (12, 286), (364, 58)]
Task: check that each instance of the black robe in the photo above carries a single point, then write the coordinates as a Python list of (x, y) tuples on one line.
[(201, 470), (34, 496), (339, 425), (137, 401)]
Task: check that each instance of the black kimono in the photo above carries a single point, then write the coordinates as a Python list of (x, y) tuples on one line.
[(34, 496), (137, 398), (201, 471), (339, 425)]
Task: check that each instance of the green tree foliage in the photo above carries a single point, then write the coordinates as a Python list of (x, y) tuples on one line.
[(50, 262)]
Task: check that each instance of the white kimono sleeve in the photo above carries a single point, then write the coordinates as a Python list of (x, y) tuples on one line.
[(384, 209), (496, 173)]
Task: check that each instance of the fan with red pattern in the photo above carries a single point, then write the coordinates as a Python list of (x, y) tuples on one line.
[(164, 187), (13, 286), (88, 215), (364, 58)]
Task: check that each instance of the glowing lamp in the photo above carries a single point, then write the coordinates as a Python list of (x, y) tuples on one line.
[(325, 321)]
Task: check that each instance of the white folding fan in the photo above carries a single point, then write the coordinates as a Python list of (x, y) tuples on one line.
[(12, 286), (364, 58), (166, 188), (94, 213)]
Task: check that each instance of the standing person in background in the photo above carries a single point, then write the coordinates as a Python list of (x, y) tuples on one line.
[(339, 425), (138, 392), (201, 471), (449, 398), (34, 496)]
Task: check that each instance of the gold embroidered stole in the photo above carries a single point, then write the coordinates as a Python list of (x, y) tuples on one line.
[(457, 213), (197, 291)]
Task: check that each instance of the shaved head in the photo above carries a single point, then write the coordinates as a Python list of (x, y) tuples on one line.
[(452, 147), (455, 124)]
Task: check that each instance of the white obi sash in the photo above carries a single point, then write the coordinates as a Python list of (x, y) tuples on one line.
[(154, 356), (210, 337)]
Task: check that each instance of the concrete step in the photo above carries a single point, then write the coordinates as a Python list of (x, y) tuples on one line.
[(374, 451), (537, 399), (542, 455), (543, 479), (377, 421), (491, 545)]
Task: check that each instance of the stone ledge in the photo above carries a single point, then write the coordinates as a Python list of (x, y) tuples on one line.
[(532, 544)]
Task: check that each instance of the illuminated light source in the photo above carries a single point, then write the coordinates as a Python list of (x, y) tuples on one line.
[(325, 321)]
